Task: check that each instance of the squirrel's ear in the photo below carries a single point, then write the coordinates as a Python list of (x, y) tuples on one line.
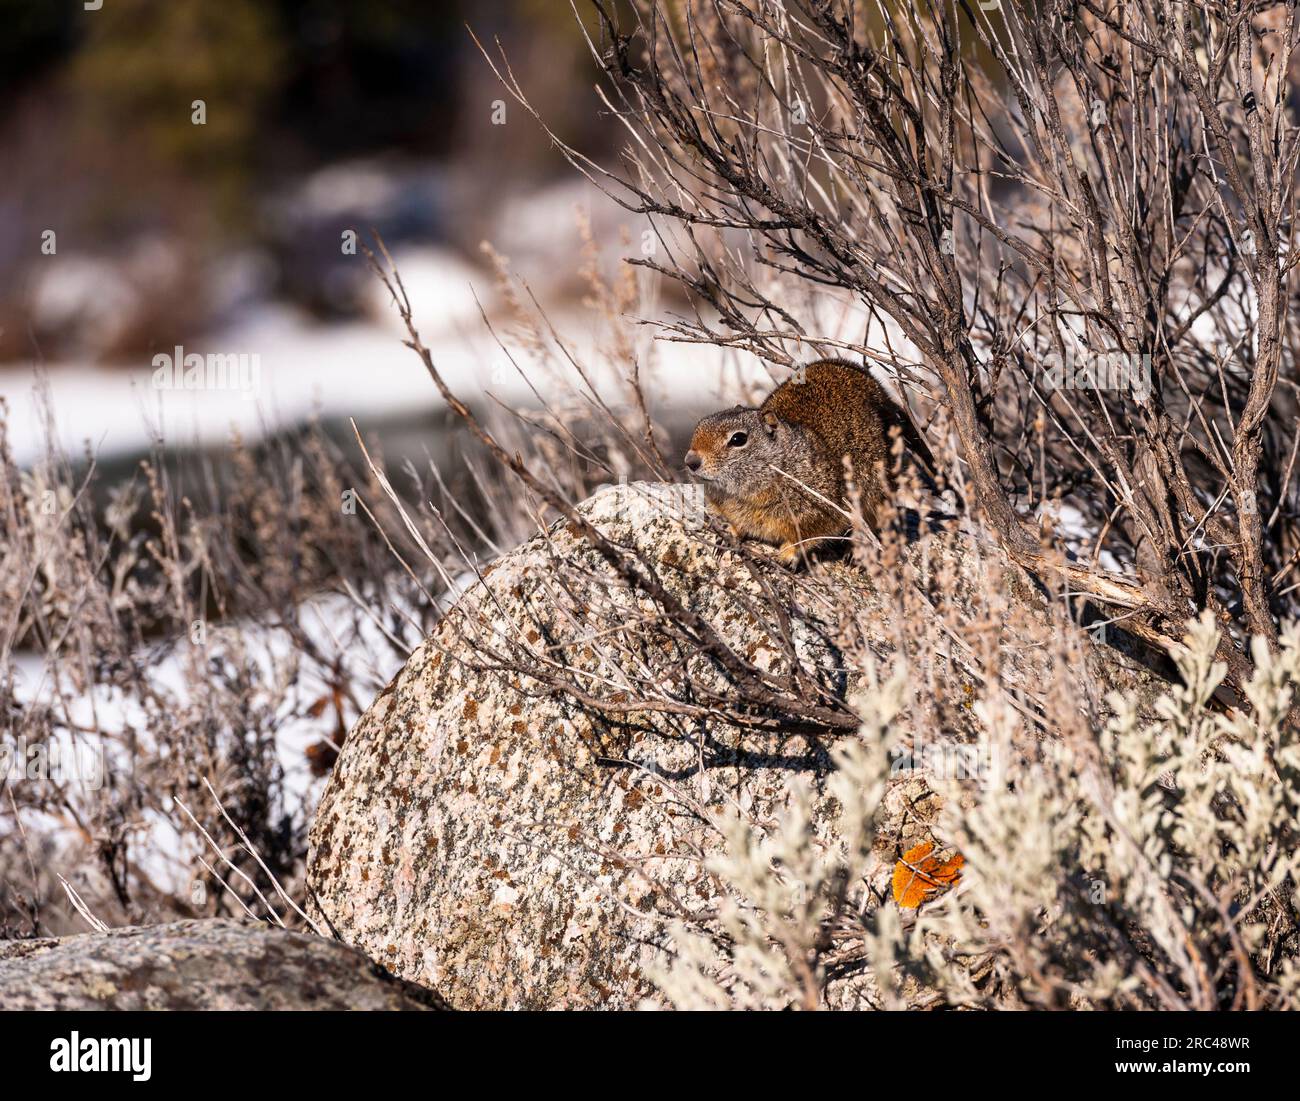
[(770, 422)]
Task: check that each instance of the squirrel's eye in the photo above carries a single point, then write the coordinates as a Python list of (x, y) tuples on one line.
[(738, 439)]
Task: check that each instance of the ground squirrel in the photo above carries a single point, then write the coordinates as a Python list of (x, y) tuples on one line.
[(756, 463)]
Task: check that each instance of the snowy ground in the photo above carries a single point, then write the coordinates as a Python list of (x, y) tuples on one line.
[(165, 853)]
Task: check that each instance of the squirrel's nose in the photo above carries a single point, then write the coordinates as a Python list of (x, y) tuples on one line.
[(693, 461)]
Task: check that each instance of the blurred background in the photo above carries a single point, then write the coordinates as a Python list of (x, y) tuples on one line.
[(210, 601), (182, 174)]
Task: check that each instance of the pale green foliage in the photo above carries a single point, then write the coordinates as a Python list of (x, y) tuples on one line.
[(780, 886), (1151, 865)]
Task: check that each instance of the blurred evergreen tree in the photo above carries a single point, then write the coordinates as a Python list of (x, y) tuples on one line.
[(143, 64)]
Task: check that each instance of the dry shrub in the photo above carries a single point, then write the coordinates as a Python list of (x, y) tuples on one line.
[(1070, 225)]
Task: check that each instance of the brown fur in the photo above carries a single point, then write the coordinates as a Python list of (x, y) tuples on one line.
[(785, 483)]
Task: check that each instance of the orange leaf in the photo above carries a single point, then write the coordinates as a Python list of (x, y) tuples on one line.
[(918, 876)]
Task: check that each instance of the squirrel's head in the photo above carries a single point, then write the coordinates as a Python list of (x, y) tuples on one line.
[(734, 450)]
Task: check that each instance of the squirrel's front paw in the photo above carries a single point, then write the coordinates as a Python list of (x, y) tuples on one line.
[(790, 556)]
